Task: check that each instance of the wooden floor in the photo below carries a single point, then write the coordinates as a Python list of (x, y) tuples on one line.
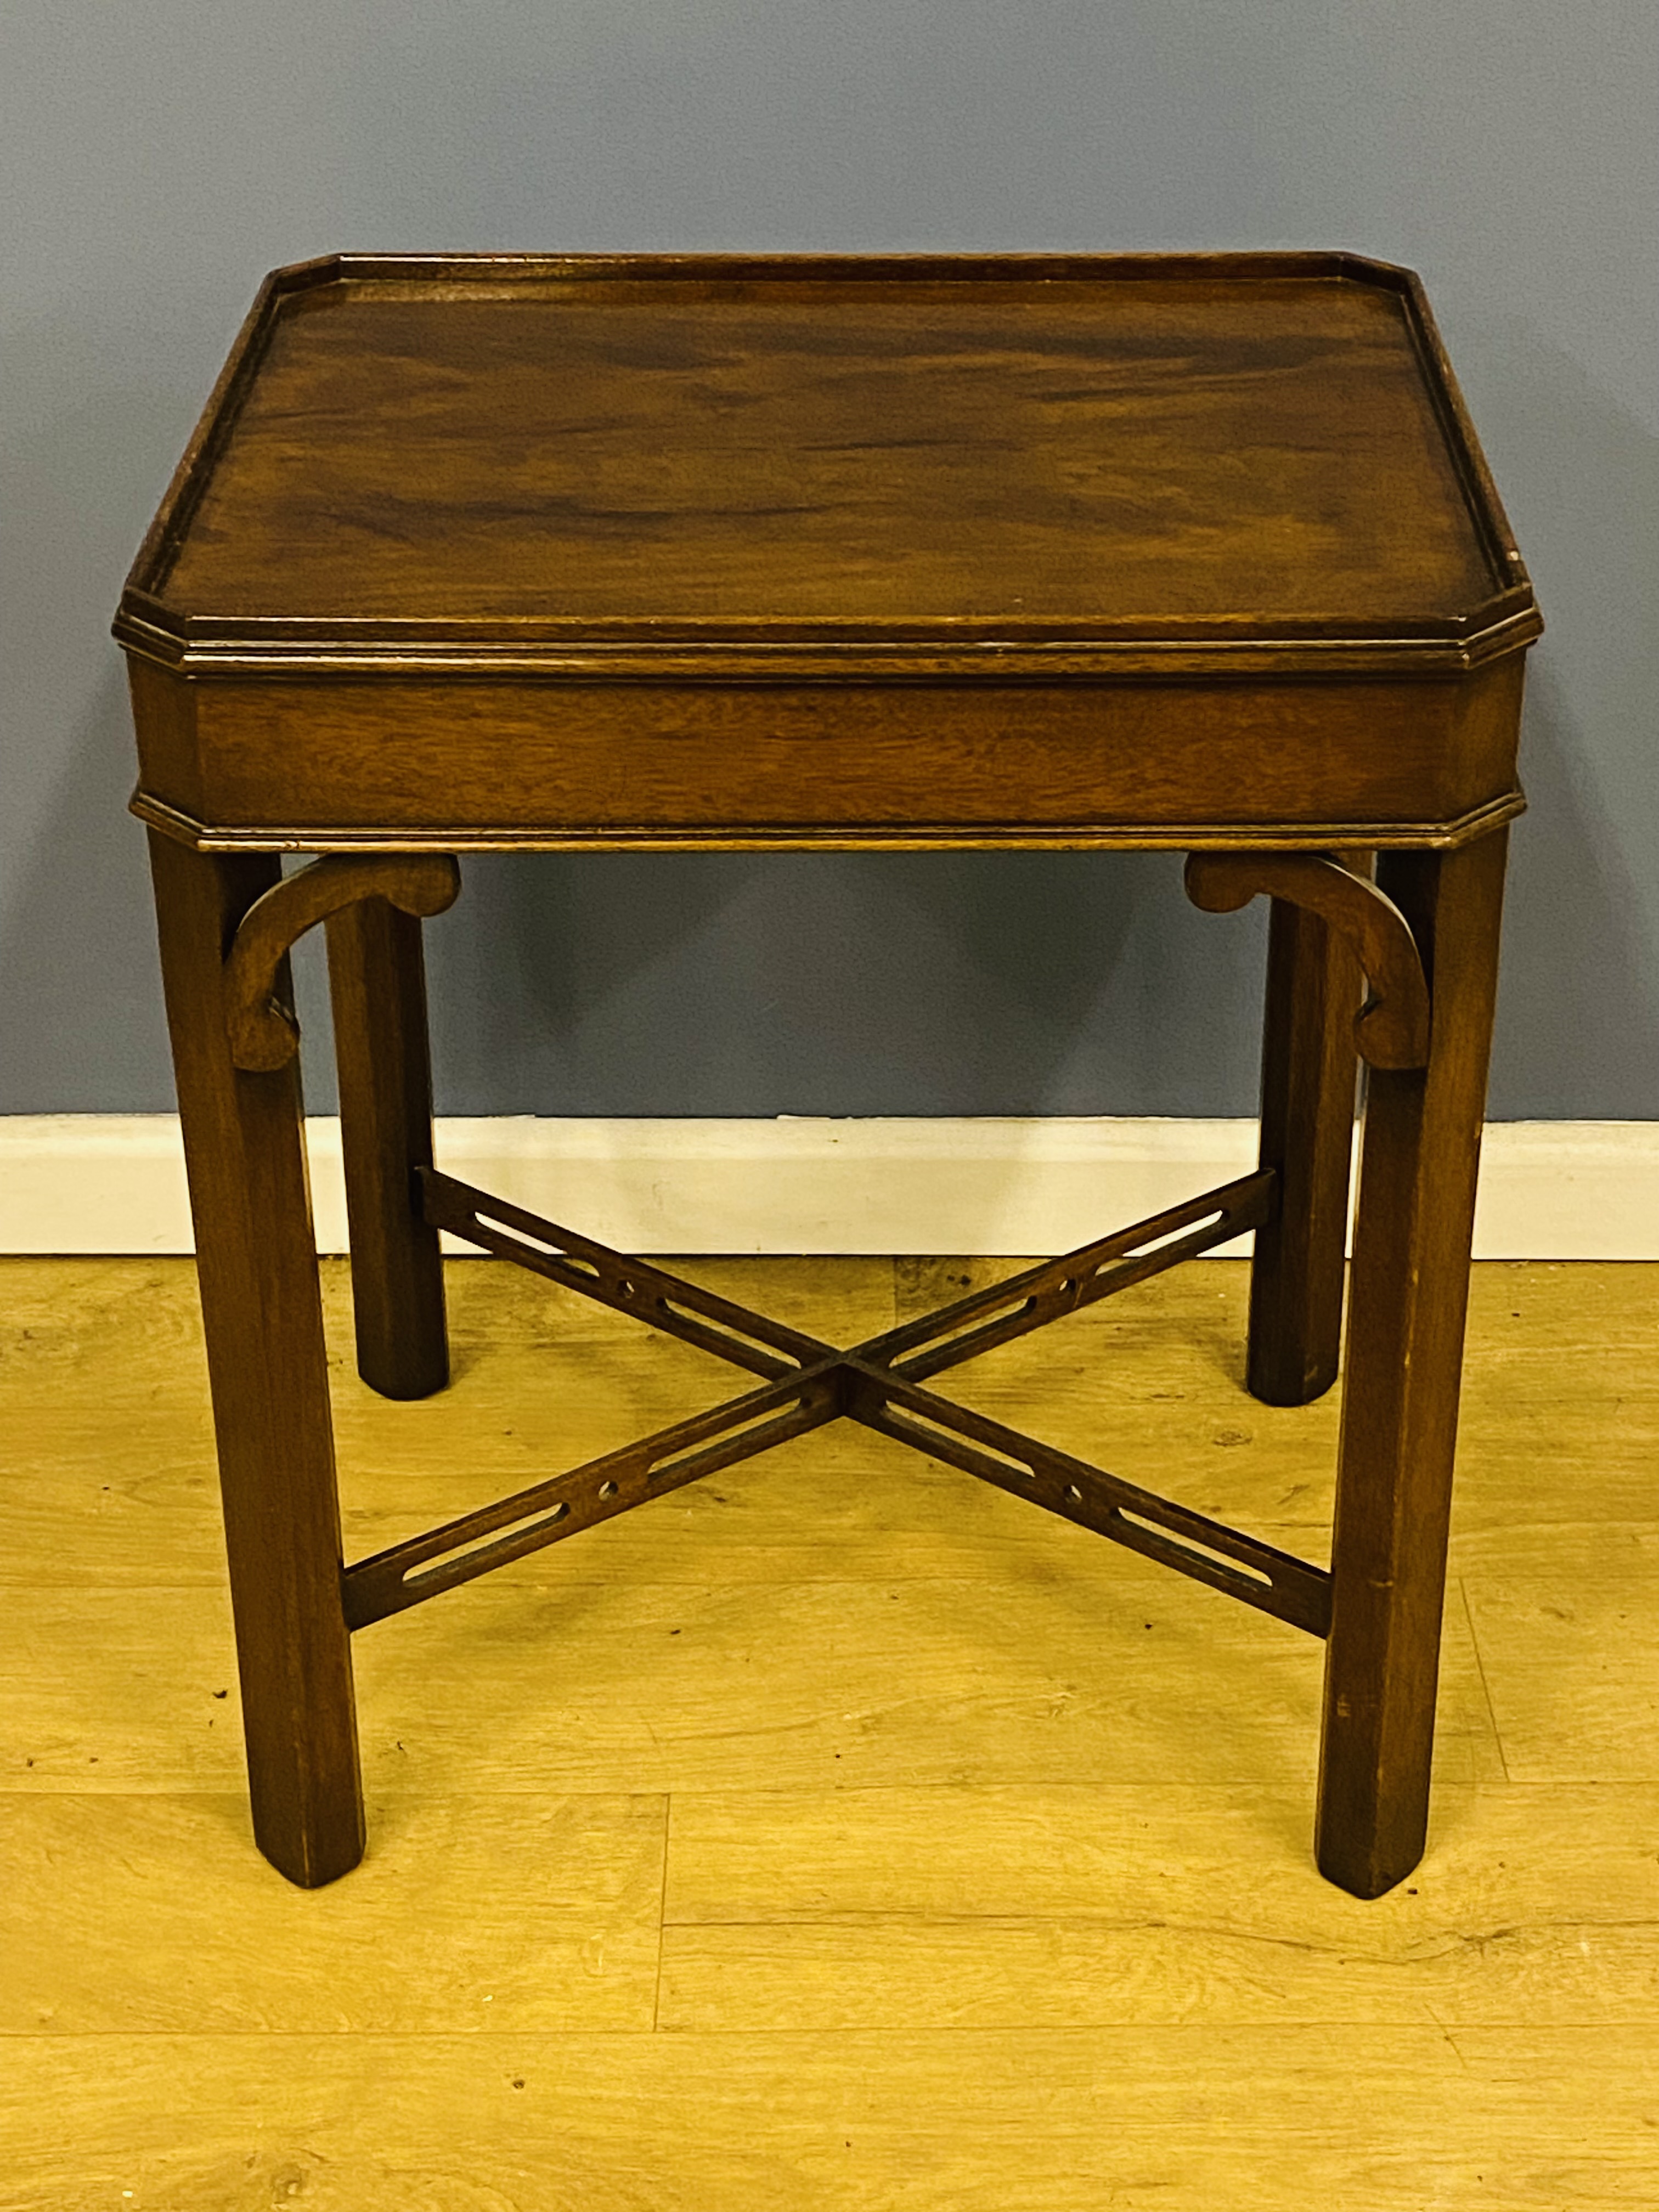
[(837, 1833)]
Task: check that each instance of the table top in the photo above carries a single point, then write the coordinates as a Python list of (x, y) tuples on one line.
[(1082, 465)]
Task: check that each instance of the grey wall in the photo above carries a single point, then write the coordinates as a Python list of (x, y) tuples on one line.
[(156, 159)]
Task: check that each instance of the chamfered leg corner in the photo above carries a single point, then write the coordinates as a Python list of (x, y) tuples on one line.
[(377, 981), (1408, 1301), (1308, 1069), (268, 1372)]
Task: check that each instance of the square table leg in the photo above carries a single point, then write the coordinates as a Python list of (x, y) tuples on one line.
[(262, 1315), (377, 981), (1308, 1067), (1404, 1355)]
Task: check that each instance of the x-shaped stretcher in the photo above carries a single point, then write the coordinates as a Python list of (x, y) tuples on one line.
[(806, 1383)]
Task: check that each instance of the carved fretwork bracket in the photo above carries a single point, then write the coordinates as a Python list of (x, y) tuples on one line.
[(264, 1033), (1391, 1029)]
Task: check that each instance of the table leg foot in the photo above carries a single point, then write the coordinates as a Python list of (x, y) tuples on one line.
[(1409, 1297)]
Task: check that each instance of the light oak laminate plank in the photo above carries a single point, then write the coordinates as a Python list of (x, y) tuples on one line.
[(1111, 1671), (1572, 1666), (83, 1511), (78, 1511), (1592, 1304), (1560, 1411), (155, 1914), (1097, 1906), (921, 1742), (110, 1478), (1181, 2119)]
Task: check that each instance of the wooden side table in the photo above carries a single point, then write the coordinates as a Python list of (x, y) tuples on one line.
[(490, 554)]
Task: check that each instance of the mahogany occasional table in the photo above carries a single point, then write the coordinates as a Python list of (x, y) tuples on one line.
[(545, 554)]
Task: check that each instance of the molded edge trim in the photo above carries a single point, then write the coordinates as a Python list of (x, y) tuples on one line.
[(898, 838), (203, 648)]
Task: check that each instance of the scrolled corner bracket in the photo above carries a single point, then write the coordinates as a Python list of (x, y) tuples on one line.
[(1391, 1029), (264, 1033)]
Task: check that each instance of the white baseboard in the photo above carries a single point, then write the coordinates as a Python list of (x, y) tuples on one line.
[(1550, 1190)]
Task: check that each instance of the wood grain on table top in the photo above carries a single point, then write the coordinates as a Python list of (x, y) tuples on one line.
[(1099, 451)]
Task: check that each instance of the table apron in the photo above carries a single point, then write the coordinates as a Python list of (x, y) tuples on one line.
[(395, 758)]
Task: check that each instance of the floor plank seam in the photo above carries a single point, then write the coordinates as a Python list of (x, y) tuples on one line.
[(662, 1907), (1480, 1670)]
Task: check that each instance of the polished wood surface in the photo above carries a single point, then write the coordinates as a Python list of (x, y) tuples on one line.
[(846, 1839), (719, 549), (1418, 1167), (257, 1271), (1392, 1029), (377, 989), (1118, 447), (1308, 1103), (336, 764), (263, 1033), (719, 552)]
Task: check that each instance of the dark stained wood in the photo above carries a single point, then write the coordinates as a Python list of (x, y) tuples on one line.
[(1106, 442), (1308, 1070), (524, 553), (1206, 1551), (792, 451), (263, 1033), (320, 761), (1407, 1300), (1392, 1029), (492, 1536), (876, 1382), (962, 1330), (704, 551), (256, 1259), (377, 982), (627, 1284)]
